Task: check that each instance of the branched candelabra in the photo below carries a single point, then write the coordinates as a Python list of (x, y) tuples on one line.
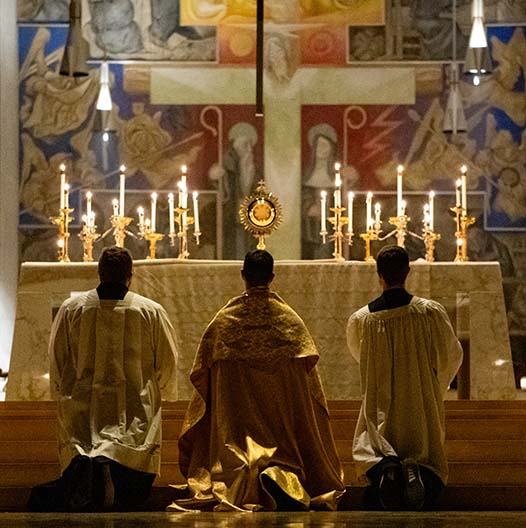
[(88, 235), (183, 221), (62, 221), (463, 221), (400, 231), (338, 222), (119, 224)]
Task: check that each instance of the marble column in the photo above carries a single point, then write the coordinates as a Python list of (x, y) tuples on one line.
[(8, 175)]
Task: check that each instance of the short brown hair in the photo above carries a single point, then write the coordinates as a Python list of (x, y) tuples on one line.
[(258, 267), (115, 265), (392, 264)]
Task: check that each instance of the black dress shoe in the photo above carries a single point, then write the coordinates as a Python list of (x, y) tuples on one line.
[(391, 487), (414, 490)]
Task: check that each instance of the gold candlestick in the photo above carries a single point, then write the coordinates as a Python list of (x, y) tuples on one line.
[(62, 221), (183, 220), (152, 237), (88, 235), (338, 236), (372, 233), (120, 223), (400, 222), (429, 238), (463, 221)]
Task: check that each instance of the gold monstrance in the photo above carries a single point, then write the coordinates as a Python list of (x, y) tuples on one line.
[(260, 213)]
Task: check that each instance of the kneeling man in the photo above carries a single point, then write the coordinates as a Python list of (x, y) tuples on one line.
[(408, 355), (256, 433)]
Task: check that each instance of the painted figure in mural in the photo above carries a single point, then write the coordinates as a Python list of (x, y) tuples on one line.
[(510, 198), (319, 176), (280, 57), (53, 104), (114, 26), (43, 10), (408, 355), (256, 434), (112, 355), (239, 179)]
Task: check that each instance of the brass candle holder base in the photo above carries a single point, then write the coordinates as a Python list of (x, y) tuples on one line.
[(368, 237), (463, 221), (400, 223), (152, 237), (88, 235), (62, 221), (119, 224), (338, 222)]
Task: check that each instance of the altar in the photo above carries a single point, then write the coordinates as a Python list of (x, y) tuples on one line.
[(324, 293)]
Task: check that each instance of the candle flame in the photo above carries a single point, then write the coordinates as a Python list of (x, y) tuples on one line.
[(400, 169), (463, 169), (351, 195), (115, 201), (324, 194), (62, 167), (122, 168), (66, 187), (369, 195), (171, 197), (184, 169), (459, 183), (154, 196), (431, 194), (337, 166), (195, 194), (89, 195), (140, 210)]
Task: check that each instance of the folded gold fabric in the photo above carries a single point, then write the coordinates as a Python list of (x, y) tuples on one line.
[(256, 433)]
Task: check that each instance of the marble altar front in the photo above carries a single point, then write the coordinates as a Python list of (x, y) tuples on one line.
[(324, 293)]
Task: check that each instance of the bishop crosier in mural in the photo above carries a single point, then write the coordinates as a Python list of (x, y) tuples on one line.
[(239, 178)]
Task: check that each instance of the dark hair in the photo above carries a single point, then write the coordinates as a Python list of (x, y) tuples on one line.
[(115, 265), (392, 264), (258, 267)]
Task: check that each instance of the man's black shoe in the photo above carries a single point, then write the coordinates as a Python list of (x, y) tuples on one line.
[(414, 490), (391, 487)]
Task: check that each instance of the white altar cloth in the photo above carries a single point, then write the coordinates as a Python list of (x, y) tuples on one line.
[(324, 293)]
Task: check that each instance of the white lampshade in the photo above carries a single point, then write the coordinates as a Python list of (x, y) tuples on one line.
[(477, 38), (454, 117), (104, 100)]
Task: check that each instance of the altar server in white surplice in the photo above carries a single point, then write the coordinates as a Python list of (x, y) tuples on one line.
[(112, 352), (408, 355)]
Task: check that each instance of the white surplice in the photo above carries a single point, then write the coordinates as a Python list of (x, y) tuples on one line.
[(110, 360), (408, 357)]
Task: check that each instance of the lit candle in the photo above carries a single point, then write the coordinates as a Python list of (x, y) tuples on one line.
[(368, 211), (350, 201), (154, 208), (91, 219), (88, 204), (426, 217), (458, 186), (323, 211), (403, 205), (196, 213), (62, 184), (431, 210), (183, 195), (66, 195), (85, 219), (377, 212), (171, 212), (115, 203), (121, 194), (463, 179), (140, 212), (523, 383), (399, 171), (338, 184)]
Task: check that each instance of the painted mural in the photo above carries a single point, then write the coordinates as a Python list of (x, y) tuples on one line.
[(223, 144)]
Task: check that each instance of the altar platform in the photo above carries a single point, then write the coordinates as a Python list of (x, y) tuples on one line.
[(324, 293)]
